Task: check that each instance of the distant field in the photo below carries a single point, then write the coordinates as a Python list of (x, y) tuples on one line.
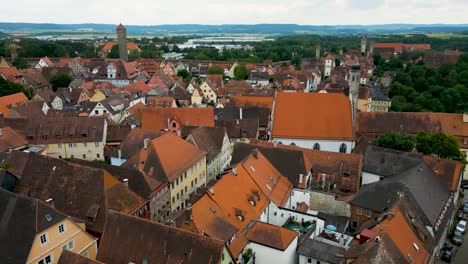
[(447, 35)]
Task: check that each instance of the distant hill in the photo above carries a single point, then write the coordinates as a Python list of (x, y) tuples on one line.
[(282, 29)]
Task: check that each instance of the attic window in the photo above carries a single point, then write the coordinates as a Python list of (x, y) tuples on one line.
[(84, 133), (268, 187), (416, 247), (48, 217), (410, 257), (317, 146)]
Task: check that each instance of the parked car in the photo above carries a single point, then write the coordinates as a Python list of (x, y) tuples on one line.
[(457, 238), (465, 207), (461, 226), (446, 256)]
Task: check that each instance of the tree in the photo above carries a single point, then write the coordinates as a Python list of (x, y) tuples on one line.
[(60, 80), (441, 145), (7, 87), (215, 70), (114, 53), (185, 75), (396, 140), (241, 72), (20, 63)]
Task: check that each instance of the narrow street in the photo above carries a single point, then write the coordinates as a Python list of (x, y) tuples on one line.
[(461, 255)]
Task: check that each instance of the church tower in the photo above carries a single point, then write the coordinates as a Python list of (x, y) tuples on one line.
[(354, 80), (363, 45), (122, 40)]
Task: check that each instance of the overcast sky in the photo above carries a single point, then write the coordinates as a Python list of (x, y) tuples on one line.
[(306, 12)]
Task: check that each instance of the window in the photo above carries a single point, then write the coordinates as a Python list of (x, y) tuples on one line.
[(359, 211), (343, 148), (96, 112), (98, 156), (354, 224), (86, 254), (46, 260), (96, 144), (71, 245), (368, 213), (173, 199), (61, 229), (317, 146), (309, 260), (59, 145), (84, 156), (43, 239), (85, 144)]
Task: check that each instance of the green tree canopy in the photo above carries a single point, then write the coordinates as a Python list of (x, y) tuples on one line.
[(397, 141), (441, 145), (215, 70), (20, 63), (7, 87), (60, 80), (241, 72), (185, 75), (114, 53)]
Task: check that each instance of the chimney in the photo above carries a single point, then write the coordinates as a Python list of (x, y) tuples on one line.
[(120, 154), (211, 190), (125, 182), (146, 142), (275, 144), (50, 202), (301, 178), (234, 171), (240, 113)]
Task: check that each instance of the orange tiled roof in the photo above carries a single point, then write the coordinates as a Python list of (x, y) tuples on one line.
[(156, 119), (258, 101), (270, 235), (9, 101), (11, 73), (312, 115), (399, 231), (110, 44)]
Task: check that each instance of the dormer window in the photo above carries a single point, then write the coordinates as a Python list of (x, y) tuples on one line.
[(317, 146)]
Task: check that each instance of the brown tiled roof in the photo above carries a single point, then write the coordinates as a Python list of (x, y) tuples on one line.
[(312, 116), (134, 141), (9, 139), (276, 237), (63, 130), (117, 133), (399, 47), (215, 80), (238, 84), (29, 109), (376, 123), (166, 157), (157, 119), (129, 239), (209, 139), (79, 191), (9, 101)]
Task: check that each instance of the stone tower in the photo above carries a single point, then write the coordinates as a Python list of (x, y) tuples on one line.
[(122, 40), (317, 50), (363, 45), (354, 80)]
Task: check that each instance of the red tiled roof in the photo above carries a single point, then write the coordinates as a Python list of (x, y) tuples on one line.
[(312, 116), (10, 139), (399, 47), (11, 73), (9, 101), (258, 101)]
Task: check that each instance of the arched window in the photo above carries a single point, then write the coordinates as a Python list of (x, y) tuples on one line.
[(317, 146), (292, 144), (343, 148)]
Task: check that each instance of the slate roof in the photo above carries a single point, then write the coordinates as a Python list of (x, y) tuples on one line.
[(428, 191), (129, 239), (240, 128), (134, 141), (21, 219), (210, 140), (321, 251)]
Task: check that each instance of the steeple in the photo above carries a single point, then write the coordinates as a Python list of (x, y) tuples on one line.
[(354, 80), (122, 40), (317, 50), (363, 45)]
